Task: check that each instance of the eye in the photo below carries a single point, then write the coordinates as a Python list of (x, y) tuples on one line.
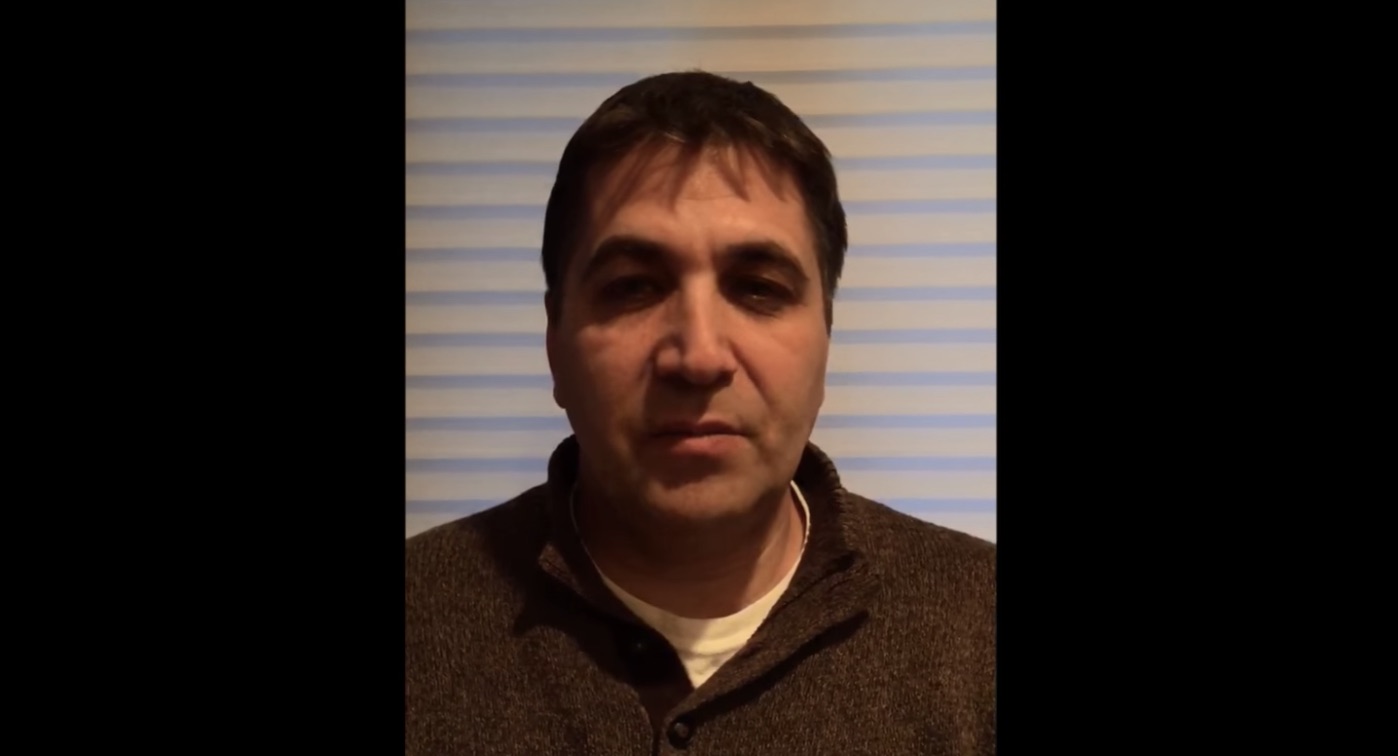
[(760, 293), (629, 289)]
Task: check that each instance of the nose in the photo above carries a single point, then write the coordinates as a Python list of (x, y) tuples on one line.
[(696, 347)]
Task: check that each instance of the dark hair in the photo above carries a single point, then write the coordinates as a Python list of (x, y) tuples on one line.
[(695, 109)]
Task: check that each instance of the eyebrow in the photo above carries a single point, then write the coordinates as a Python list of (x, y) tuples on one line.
[(622, 247), (767, 254), (753, 254)]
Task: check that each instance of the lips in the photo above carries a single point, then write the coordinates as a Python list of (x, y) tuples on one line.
[(689, 441), (699, 428)]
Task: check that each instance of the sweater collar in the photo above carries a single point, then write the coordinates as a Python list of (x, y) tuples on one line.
[(836, 544)]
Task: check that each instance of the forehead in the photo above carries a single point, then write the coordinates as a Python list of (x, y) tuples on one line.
[(715, 191)]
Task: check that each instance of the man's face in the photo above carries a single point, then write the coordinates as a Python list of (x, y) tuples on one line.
[(689, 347)]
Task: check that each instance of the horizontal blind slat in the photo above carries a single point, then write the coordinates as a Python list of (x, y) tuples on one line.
[(569, 14), (741, 57), (843, 98)]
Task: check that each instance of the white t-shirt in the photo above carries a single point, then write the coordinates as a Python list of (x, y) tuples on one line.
[(704, 645)]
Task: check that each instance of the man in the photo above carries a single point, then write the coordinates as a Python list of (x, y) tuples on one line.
[(693, 577)]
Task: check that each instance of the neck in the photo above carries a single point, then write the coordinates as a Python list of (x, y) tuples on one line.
[(695, 569)]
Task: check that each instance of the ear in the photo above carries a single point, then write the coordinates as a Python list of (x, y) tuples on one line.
[(551, 345)]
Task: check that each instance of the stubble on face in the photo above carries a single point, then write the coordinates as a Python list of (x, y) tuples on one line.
[(694, 298)]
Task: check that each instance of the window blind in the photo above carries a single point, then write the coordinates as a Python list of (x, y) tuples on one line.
[(903, 94)]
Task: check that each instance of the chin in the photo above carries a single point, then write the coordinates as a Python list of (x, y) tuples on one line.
[(709, 497)]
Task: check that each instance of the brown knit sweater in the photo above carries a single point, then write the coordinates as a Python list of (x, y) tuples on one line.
[(884, 643)]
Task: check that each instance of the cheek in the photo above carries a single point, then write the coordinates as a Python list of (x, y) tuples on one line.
[(822, 364), (610, 367), (790, 372), (813, 376)]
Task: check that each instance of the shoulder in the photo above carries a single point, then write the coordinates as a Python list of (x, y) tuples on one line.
[(473, 553), (917, 558)]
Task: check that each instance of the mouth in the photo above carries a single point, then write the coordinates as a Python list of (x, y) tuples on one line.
[(711, 440), (696, 429)]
